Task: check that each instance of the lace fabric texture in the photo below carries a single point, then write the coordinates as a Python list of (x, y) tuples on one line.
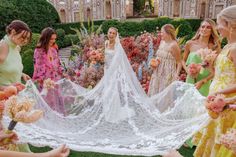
[(117, 117)]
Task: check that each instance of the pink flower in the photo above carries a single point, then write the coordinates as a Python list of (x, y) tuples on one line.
[(215, 103)]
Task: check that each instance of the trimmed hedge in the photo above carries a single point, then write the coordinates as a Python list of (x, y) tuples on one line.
[(128, 28), (27, 54), (38, 14), (32, 44), (67, 26), (28, 62), (195, 23), (134, 28), (184, 26)]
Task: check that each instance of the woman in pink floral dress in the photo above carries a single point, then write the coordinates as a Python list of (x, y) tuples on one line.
[(47, 65)]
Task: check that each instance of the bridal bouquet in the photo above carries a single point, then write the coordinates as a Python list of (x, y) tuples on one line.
[(215, 104), (20, 110), (229, 140), (194, 70), (6, 93), (154, 62)]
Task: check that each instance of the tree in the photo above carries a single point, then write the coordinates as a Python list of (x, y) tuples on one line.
[(38, 14)]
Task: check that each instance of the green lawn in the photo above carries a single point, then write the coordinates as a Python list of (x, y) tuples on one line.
[(186, 152)]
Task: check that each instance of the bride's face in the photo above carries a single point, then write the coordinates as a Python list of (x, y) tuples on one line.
[(111, 34)]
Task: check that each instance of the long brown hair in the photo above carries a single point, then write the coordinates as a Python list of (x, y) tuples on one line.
[(214, 38), (45, 37), (18, 26)]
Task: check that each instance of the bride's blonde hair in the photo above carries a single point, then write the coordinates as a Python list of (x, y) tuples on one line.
[(113, 28), (229, 16)]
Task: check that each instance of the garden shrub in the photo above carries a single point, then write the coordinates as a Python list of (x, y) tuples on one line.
[(38, 14), (184, 27), (28, 62)]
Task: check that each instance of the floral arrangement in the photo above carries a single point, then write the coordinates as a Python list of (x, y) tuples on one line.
[(90, 76), (208, 57), (88, 59), (215, 104), (139, 50), (194, 70), (229, 140)]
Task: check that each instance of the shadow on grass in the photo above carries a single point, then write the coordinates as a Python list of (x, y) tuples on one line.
[(186, 152)]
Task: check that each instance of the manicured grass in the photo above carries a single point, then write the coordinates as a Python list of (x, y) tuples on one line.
[(186, 152)]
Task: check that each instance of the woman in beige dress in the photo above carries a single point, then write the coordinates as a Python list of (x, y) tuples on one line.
[(170, 61)]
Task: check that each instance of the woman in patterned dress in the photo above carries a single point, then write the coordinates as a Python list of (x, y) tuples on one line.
[(208, 139), (170, 61), (47, 65)]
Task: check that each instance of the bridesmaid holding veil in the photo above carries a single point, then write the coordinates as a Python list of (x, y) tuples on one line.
[(170, 61)]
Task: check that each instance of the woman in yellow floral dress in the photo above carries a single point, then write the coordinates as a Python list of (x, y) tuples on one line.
[(208, 144)]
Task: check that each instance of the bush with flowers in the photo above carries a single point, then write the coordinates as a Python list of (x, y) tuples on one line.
[(139, 51)]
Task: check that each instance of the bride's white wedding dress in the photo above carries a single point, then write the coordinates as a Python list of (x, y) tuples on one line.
[(117, 116)]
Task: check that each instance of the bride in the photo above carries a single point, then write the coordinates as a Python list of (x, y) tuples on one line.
[(117, 116)]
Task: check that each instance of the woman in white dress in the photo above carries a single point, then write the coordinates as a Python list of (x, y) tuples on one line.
[(110, 46)]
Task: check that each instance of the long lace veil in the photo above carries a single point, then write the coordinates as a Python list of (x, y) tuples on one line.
[(117, 116)]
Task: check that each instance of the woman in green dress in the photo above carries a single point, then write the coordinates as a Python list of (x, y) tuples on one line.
[(206, 37), (11, 67)]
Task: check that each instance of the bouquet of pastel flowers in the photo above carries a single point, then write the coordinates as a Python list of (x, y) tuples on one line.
[(215, 104), (155, 62), (18, 109), (208, 57)]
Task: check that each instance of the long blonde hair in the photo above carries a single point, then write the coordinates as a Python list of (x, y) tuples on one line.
[(170, 30), (214, 38), (229, 16)]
